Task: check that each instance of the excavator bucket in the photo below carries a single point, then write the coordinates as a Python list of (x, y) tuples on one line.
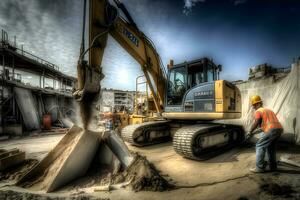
[(71, 158)]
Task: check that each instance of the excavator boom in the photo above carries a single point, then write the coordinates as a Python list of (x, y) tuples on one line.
[(104, 19)]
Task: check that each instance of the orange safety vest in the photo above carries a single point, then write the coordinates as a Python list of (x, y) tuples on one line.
[(269, 119)]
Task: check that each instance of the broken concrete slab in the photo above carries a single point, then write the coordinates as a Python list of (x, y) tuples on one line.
[(68, 160), (71, 158)]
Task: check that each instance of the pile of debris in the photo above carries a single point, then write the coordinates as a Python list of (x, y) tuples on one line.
[(17, 171), (78, 161), (11, 157), (13, 164), (142, 175)]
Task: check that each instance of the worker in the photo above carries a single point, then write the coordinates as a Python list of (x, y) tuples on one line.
[(271, 131)]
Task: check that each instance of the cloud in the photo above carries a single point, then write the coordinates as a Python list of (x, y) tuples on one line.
[(49, 29), (188, 4), (238, 2)]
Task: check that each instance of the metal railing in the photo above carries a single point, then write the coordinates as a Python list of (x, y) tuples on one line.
[(7, 43), (18, 78), (11, 76)]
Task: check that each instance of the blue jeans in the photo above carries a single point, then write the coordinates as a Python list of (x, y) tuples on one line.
[(267, 143)]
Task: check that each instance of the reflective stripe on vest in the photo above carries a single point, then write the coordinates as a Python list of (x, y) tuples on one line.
[(269, 119)]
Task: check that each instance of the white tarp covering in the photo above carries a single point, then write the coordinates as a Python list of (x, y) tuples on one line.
[(281, 96)]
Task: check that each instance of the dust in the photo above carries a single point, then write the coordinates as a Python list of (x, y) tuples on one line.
[(277, 190), (142, 175), (15, 172), (87, 108), (85, 113)]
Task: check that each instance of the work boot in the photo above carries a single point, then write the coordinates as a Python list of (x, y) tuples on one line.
[(271, 169), (256, 170)]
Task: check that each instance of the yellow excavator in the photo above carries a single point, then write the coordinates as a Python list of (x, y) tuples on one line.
[(188, 98)]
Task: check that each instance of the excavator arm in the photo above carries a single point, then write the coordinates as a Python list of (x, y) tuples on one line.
[(72, 156), (141, 48), (104, 19)]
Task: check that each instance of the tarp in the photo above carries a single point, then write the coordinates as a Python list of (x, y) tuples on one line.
[(281, 96)]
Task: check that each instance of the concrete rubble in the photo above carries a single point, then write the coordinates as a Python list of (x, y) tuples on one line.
[(10, 158), (81, 154), (182, 178)]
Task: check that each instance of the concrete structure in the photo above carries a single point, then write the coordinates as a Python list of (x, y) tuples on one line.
[(30, 87), (266, 70), (116, 99)]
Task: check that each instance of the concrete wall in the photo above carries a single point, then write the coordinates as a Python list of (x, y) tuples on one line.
[(27, 106)]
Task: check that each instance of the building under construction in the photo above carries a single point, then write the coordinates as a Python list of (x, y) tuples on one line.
[(118, 100), (30, 89)]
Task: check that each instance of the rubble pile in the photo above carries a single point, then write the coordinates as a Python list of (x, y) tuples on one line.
[(15, 172), (142, 175)]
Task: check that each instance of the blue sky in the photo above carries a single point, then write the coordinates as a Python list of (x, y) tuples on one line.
[(237, 34)]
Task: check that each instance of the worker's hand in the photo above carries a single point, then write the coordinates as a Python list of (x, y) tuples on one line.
[(248, 136)]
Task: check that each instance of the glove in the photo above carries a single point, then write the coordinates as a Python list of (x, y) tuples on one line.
[(248, 136)]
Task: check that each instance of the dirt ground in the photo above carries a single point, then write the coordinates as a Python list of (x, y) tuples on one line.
[(226, 176)]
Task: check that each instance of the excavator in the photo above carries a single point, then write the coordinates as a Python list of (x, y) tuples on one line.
[(187, 100)]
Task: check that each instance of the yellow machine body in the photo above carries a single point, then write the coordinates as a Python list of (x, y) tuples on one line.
[(227, 105)]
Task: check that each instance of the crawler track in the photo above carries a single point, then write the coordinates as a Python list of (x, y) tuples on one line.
[(203, 141), (143, 134)]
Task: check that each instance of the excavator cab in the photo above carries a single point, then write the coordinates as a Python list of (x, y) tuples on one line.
[(187, 75), (194, 92)]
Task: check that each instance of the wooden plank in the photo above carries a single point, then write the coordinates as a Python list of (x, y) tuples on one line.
[(290, 162), (12, 160), (9, 152)]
